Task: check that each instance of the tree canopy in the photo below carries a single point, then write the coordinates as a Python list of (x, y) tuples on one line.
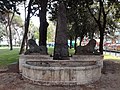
[(9, 5), (84, 17)]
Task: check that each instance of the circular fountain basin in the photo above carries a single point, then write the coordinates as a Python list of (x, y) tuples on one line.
[(80, 69), (35, 57)]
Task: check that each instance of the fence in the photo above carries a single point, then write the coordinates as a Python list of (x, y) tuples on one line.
[(112, 52)]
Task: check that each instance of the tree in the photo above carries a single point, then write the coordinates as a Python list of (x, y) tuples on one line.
[(103, 11), (8, 18), (42, 4), (61, 39), (7, 7), (17, 25), (79, 21), (43, 23), (10, 31), (26, 26)]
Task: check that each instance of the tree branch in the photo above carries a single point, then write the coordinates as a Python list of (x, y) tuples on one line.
[(99, 14), (91, 12)]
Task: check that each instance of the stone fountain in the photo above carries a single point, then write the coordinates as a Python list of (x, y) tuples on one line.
[(79, 69)]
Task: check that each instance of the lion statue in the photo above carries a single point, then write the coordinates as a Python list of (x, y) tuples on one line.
[(87, 49), (34, 48)]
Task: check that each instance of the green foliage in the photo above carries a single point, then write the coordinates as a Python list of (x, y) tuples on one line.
[(109, 57), (36, 35), (18, 21), (33, 31), (50, 32), (80, 23)]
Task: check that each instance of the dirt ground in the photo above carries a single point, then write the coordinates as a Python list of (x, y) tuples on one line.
[(110, 80)]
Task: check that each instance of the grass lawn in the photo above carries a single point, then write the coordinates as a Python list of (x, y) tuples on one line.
[(7, 56), (106, 56)]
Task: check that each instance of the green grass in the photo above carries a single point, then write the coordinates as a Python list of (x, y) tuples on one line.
[(51, 51), (7, 56), (107, 57)]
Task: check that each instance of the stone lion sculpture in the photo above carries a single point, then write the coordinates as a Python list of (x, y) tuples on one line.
[(87, 49), (34, 48)]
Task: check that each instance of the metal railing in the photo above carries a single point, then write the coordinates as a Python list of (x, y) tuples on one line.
[(112, 52)]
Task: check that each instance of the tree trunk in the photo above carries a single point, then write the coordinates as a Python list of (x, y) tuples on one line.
[(75, 43), (10, 38), (10, 32), (70, 42), (61, 39), (80, 42), (101, 41), (26, 27), (81, 38), (43, 23), (102, 28)]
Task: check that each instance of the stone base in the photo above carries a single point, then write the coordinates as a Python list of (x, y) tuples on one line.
[(61, 72)]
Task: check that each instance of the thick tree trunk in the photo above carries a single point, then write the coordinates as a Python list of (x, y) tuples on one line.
[(61, 39), (26, 27), (43, 23)]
